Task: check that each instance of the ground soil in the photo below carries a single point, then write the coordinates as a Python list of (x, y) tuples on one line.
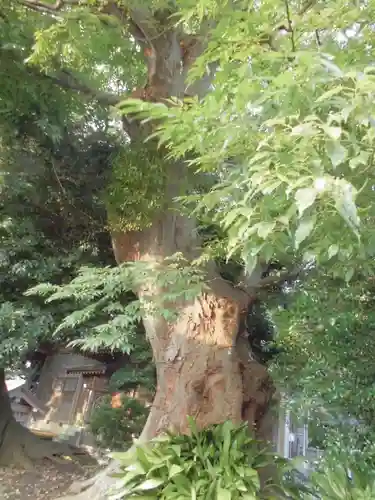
[(46, 481)]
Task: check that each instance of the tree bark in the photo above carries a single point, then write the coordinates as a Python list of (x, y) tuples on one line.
[(205, 367), (18, 446)]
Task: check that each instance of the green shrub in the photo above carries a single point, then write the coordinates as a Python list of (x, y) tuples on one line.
[(115, 428), (218, 463), (333, 482)]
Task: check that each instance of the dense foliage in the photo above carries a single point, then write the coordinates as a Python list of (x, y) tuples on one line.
[(304, 91), (115, 428), (327, 336), (336, 481), (52, 222), (295, 137)]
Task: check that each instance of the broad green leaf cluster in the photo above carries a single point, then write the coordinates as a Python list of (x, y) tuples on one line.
[(221, 462)]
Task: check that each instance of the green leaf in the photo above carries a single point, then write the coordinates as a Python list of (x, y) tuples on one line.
[(304, 229), (333, 133), (361, 159), (265, 229), (223, 494), (329, 93), (304, 197), (251, 262), (345, 204), (304, 130), (174, 470), (349, 274), (336, 152), (332, 251), (149, 484)]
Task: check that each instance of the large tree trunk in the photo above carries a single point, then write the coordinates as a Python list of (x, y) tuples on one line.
[(205, 367), (18, 446), (200, 373)]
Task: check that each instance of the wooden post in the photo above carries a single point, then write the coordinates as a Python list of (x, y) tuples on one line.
[(76, 397), (89, 403)]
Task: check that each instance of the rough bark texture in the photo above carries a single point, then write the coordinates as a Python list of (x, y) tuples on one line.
[(18, 446), (205, 367)]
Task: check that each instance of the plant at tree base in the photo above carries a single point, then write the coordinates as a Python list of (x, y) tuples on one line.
[(115, 428), (221, 462)]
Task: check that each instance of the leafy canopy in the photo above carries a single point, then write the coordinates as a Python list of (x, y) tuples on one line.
[(286, 128), (287, 125), (51, 223)]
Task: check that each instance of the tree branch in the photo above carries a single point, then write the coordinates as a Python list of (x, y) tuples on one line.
[(290, 25), (278, 279), (307, 6), (221, 287), (66, 80), (39, 6), (251, 284)]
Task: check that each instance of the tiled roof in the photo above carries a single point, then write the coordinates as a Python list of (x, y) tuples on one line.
[(88, 369)]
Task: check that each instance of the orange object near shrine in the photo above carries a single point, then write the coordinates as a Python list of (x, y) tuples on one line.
[(116, 400)]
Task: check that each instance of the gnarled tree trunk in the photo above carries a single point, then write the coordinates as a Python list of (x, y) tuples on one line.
[(18, 446), (205, 367)]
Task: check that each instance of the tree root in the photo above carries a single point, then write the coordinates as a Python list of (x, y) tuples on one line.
[(20, 448), (95, 488)]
